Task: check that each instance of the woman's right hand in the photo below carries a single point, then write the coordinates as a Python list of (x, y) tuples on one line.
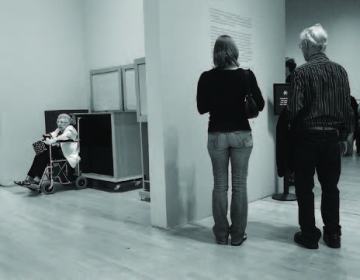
[(45, 136), (49, 142)]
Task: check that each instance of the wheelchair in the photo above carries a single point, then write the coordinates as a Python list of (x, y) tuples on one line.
[(58, 171)]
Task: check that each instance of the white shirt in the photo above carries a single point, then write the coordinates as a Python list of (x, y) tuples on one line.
[(70, 150)]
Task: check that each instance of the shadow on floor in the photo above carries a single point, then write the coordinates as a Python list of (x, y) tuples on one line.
[(255, 230), (196, 232), (270, 231)]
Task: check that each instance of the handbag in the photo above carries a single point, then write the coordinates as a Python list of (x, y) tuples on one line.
[(39, 147), (250, 107)]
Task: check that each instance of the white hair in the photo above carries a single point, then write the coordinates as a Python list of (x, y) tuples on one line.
[(65, 117), (316, 36)]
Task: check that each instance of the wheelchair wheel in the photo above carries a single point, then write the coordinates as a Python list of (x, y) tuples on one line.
[(81, 182), (47, 188)]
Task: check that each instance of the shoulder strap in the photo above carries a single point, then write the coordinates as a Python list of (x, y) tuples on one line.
[(247, 81)]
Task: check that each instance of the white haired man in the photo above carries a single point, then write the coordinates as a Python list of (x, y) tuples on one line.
[(320, 114)]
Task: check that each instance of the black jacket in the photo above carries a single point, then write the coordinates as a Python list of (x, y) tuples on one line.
[(284, 144)]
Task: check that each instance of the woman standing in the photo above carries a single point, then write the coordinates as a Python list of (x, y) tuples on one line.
[(221, 92)]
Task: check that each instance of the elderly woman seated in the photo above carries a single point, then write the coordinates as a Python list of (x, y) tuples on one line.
[(68, 150)]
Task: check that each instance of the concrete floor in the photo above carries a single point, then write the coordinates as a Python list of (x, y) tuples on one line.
[(92, 234)]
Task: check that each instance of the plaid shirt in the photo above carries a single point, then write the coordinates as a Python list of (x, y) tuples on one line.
[(321, 95)]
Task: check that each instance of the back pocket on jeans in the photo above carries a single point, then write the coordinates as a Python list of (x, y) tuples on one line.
[(248, 141), (212, 140)]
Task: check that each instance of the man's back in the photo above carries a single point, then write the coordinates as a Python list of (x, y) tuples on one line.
[(321, 94), (320, 109)]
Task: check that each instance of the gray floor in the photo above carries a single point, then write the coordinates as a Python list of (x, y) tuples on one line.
[(92, 234)]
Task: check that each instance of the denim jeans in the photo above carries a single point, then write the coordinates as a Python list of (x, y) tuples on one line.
[(235, 147), (317, 151)]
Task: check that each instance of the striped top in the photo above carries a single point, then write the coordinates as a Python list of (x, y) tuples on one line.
[(321, 95)]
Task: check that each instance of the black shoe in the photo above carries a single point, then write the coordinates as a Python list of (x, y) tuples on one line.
[(33, 187), (24, 183), (222, 241), (309, 241), (238, 243), (332, 240), (221, 237)]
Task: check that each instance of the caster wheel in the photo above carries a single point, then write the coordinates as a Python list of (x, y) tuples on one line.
[(47, 188), (81, 182)]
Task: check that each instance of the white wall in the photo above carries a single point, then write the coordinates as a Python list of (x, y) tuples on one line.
[(42, 67), (114, 32), (342, 21), (177, 45), (47, 50)]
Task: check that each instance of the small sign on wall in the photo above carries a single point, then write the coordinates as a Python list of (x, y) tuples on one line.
[(281, 97)]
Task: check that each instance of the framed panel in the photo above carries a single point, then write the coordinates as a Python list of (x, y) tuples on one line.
[(140, 87), (129, 91), (106, 90)]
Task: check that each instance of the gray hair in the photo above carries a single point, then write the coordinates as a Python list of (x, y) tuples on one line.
[(315, 36), (66, 117)]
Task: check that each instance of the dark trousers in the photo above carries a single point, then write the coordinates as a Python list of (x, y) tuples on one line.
[(357, 140), (317, 151), (41, 160)]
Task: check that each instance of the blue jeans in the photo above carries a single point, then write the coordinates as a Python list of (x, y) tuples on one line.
[(235, 146)]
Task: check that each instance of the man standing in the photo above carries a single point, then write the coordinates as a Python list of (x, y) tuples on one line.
[(320, 115)]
